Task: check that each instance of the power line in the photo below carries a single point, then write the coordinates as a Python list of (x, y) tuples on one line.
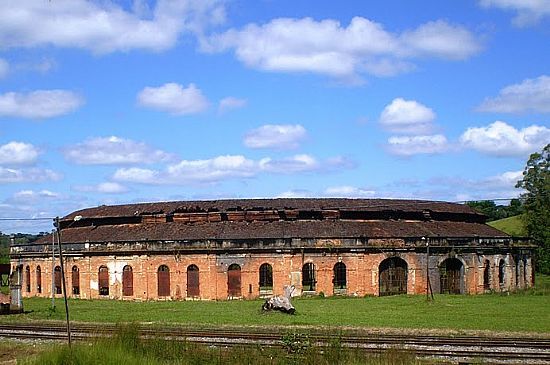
[(27, 219)]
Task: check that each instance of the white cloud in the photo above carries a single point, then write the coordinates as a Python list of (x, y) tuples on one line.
[(18, 153), (326, 47), (8, 175), (104, 188), (227, 167), (407, 116), (39, 104), (414, 145), (113, 151), (174, 98), (192, 171), (531, 95), (507, 179), (501, 139), (4, 68), (346, 191), (298, 193), (231, 103), (104, 26), (279, 136), (528, 11), (31, 196), (441, 39)]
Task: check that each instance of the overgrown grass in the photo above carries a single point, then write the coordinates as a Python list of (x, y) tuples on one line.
[(127, 348), (514, 226), (524, 311)]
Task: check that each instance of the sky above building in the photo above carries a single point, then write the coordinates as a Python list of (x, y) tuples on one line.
[(113, 102)]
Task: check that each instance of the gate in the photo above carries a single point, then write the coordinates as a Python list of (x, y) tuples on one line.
[(193, 290), (234, 281), (103, 280), (450, 273), (393, 277), (57, 279)]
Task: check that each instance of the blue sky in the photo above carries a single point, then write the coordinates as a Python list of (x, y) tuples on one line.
[(112, 102)]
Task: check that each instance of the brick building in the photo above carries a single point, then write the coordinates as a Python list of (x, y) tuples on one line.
[(253, 248)]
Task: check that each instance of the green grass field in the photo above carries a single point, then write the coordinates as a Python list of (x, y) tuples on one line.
[(512, 225), (527, 311)]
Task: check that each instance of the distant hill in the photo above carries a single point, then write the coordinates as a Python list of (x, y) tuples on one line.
[(512, 225)]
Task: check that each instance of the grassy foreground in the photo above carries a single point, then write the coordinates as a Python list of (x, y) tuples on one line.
[(525, 311), (126, 347)]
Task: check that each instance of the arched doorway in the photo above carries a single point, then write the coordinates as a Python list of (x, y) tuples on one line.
[(339, 279), (127, 281), (57, 279), (28, 279), (163, 276), (501, 271), (266, 277), (234, 281), (103, 280), (75, 279), (451, 274), (193, 288), (308, 277), (38, 279), (392, 276)]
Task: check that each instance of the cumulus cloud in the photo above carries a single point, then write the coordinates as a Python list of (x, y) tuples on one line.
[(346, 191), (4, 67), (329, 48), (18, 153), (531, 95), (501, 139), (528, 12), (104, 27), (113, 151), (414, 145), (226, 167), (103, 188), (407, 116), (174, 98), (39, 104), (278, 136), (231, 102), (10, 175)]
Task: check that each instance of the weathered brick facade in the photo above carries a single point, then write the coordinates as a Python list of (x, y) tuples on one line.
[(473, 260)]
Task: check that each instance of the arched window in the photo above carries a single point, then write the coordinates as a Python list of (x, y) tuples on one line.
[(57, 279), (266, 277), (38, 279), (339, 276), (501, 270), (487, 275), (308, 277), (234, 280), (193, 288), (75, 279), (392, 275), (451, 275), (28, 279), (103, 280), (127, 281), (163, 276)]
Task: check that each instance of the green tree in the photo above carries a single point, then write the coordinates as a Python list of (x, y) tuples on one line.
[(536, 181)]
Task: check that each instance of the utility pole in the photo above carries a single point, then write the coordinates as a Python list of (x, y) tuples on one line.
[(63, 279), (53, 269), (428, 283)]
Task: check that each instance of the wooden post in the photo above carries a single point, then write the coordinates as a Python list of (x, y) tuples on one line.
[(63, 279)]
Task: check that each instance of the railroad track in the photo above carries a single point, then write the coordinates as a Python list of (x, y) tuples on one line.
[(462, 349)]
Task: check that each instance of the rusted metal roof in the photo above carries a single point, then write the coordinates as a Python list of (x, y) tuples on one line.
[(275, 230), (303, 204)]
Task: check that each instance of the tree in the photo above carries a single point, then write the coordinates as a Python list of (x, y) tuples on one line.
[(536, 180)]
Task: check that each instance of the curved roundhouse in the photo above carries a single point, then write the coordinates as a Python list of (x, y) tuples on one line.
[(253, 248)]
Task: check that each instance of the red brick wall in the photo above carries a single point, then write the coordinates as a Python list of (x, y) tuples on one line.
[(361, 272)]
